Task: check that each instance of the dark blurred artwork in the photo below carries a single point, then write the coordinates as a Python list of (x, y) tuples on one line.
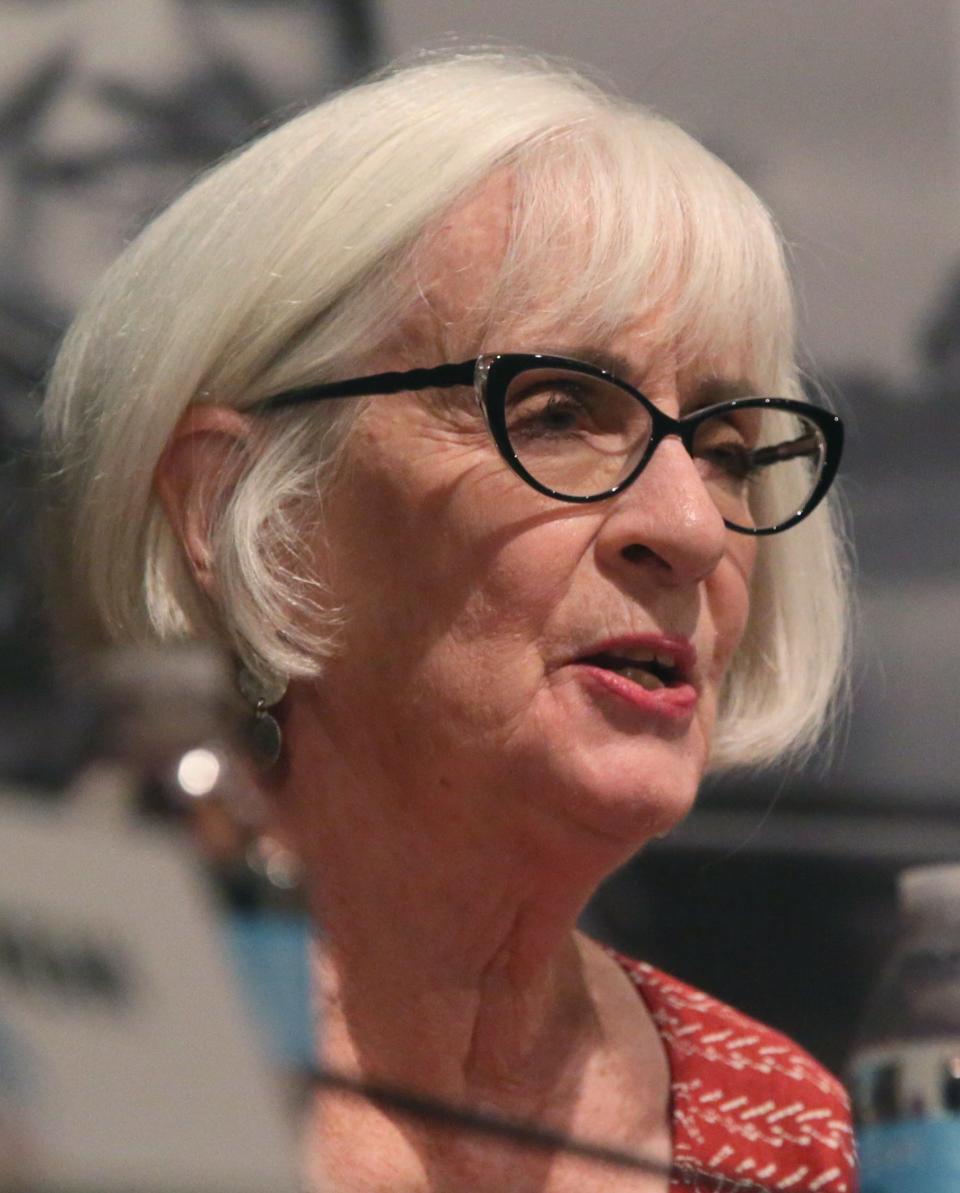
[(108, 108)]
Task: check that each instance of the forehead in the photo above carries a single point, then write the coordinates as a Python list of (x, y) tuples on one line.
[(462, 258), (469, 286)]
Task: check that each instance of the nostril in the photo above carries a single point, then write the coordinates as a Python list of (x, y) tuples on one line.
[(637, 553)]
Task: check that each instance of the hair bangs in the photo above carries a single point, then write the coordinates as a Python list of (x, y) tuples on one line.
[(623, 218)]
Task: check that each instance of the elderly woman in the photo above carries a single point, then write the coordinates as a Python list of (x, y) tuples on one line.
[(463, 410)]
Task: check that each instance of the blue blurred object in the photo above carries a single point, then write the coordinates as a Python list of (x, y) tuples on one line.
[(271, 952)]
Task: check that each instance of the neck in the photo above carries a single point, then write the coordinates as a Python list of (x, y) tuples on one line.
[(450, 960), (459, 978)]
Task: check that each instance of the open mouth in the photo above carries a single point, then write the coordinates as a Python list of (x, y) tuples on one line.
[(650, 669)]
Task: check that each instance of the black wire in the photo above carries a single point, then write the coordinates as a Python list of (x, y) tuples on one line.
[(526, 1134)]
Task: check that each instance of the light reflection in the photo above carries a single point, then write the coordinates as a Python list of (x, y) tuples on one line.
[(198, 772)]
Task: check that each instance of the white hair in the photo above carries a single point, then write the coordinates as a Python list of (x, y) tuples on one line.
[(296, 260)]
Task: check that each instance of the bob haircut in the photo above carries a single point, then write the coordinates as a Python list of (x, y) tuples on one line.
[(293, 262)]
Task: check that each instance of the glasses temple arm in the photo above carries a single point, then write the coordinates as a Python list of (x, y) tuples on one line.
[(804, 445), (439, 377)]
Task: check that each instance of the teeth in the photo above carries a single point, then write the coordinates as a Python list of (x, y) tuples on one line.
[(645, 678), (662, 657)]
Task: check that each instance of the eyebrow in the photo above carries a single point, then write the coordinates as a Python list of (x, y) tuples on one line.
[(707, 392), (712, 390), (602, 358)]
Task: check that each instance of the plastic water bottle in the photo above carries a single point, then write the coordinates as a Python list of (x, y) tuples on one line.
[(904, 1075)]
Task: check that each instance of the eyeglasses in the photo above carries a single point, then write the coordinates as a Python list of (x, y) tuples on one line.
[(577, 433)]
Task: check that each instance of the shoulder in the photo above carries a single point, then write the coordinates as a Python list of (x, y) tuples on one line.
[(746, 1099), (695, 1025)]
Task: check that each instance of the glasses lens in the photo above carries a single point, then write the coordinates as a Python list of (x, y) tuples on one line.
[(576, 434), (761, 466)]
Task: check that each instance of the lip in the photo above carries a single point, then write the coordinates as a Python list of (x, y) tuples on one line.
[(675, 703)]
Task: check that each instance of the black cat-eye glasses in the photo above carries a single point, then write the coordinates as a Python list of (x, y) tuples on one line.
[(577, 433)]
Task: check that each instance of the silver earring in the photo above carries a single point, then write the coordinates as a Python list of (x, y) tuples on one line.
[(262, 692)]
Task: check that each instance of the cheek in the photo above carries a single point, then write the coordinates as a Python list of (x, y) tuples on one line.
[(730, 599), (446, 607), (432, 530), (424, 572), (478, 610)]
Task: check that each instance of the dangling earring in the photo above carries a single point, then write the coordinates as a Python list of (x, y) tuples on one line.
[(263, 732)]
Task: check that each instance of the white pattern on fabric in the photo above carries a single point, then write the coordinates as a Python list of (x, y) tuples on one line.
[(748, 1104)]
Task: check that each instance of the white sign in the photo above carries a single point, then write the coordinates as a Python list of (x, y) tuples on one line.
[(126, 1057)]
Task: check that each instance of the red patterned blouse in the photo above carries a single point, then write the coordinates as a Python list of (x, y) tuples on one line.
[(748, 1104)]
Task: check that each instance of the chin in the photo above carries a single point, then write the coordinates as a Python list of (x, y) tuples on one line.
[(627, 777), (621, 797), (641, 798)]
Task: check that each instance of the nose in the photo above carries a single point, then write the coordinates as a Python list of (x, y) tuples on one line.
[(666, 523)]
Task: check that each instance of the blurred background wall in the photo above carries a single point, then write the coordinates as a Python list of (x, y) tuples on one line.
[(845, 116)]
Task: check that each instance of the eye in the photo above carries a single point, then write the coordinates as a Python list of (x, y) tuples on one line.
[(724, 446), (552, 409), (732, 461), (573, 432)]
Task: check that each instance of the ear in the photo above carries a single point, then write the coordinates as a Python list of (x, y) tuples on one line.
[(195, 476)]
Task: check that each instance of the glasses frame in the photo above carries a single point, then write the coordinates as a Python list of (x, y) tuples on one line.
[(491, 375)]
